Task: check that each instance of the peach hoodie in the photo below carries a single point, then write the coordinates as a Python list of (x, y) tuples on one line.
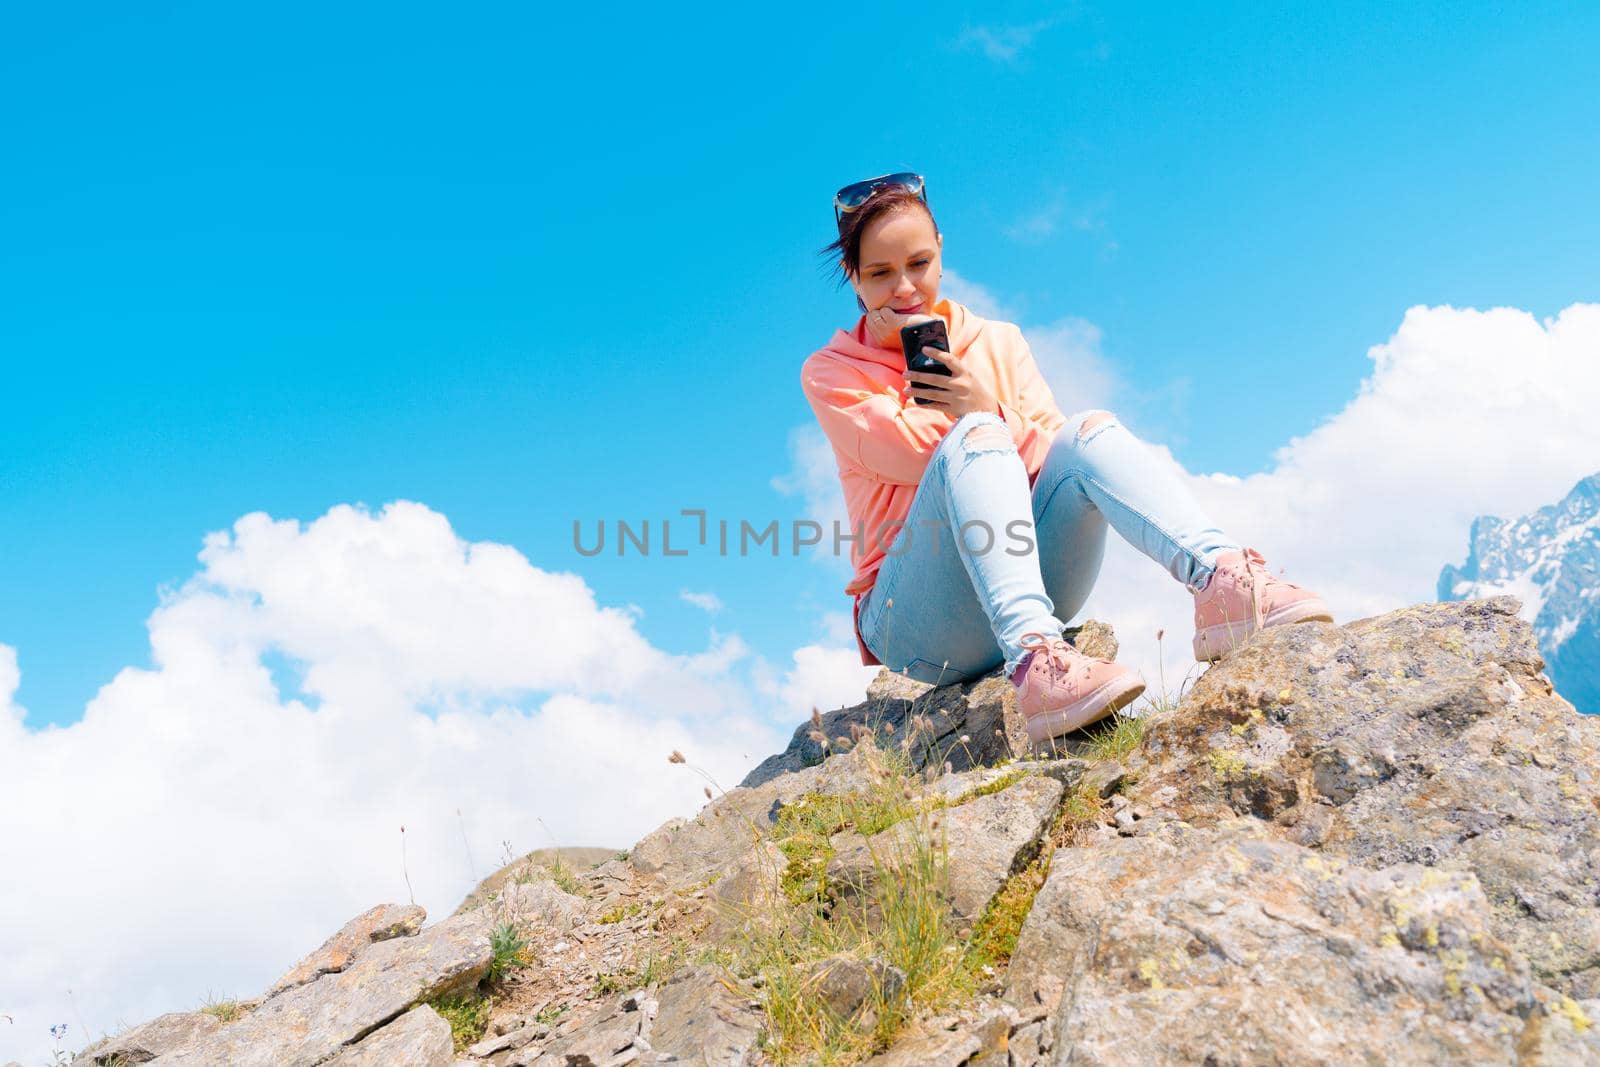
[(882, 440)]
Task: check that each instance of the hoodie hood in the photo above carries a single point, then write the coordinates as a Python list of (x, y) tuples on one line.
[(962, 325)]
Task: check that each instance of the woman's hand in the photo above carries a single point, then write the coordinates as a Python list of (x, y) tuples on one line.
[(883, 326), (958, 394)]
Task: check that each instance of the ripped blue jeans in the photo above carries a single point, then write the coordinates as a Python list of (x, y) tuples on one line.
[(983, 559)]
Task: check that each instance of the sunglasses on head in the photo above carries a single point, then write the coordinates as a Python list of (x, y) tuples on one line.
[(852, 196)]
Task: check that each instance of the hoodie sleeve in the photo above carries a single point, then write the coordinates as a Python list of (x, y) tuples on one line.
[(869, 428), (1031, 408)]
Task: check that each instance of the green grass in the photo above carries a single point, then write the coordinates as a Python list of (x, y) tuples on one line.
[(994, 935), (903, 918), (467, 1014), (656, 969), (1114, 738), (626, 910), (999, 785), (224, 1011), (561, 873), (804, 829), (510, 952)]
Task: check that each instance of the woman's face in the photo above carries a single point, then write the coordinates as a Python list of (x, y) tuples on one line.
[(900, 264)]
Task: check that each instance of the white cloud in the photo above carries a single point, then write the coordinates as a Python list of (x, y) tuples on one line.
[(707, 602), (825, 675), (1037, 226), (1465, 413), (199, 829), (1003, 44), (813, 476), (978, 298), (821, 676)]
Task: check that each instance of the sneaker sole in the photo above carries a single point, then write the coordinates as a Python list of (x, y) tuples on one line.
[(1214, 642), (1108, 699)]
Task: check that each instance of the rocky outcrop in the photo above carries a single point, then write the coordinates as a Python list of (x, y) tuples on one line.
[(147, 1041), (376, 924), (973, 724), (1370, 843), (1427, 736), (992, 836), (310, 1023)]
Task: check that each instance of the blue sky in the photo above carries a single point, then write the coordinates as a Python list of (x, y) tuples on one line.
[(526, 269)]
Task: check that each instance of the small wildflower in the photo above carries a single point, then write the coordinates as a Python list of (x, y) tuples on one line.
[(841, 743), (816, 718), (1160, 634), (966, 739), (888, 727), (708, 792), (819, 737), (676, 757)]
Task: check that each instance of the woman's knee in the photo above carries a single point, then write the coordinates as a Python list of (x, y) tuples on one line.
[(979, 431), (1086, 424)]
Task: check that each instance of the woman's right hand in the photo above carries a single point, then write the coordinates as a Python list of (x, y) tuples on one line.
[(883, 326)]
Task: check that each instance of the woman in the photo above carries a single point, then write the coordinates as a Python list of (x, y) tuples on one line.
[(950, 482)]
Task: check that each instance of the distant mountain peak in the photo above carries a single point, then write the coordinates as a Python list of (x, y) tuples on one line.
[(1550, 560)]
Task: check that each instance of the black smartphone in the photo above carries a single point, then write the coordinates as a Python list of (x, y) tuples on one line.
[(919, 335)]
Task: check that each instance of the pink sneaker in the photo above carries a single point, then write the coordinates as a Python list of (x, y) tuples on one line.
[(1241, 598), (1059, 689)]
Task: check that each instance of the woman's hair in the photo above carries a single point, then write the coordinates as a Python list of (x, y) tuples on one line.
[(845, 254)]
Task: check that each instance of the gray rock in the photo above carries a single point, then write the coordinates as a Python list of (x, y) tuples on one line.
[(540, 901), (717, 841), (703, 1022), (986, 840), (610, 1041), (528, 1032), (984, 711), (749, 899), (1103, 779), (846, 985), (307, 1024), (147, 1041), (887, 685), (993, 1031), (1124, 948), (1565, 1034), (381, 923), (419, 1038), (1028, 1045), (1429, 736), (930, 1046)]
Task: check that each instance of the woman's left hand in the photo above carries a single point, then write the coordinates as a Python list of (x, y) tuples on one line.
[(958, 394)]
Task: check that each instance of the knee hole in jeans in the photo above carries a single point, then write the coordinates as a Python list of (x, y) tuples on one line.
[(1094, 421), (987, 436)]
